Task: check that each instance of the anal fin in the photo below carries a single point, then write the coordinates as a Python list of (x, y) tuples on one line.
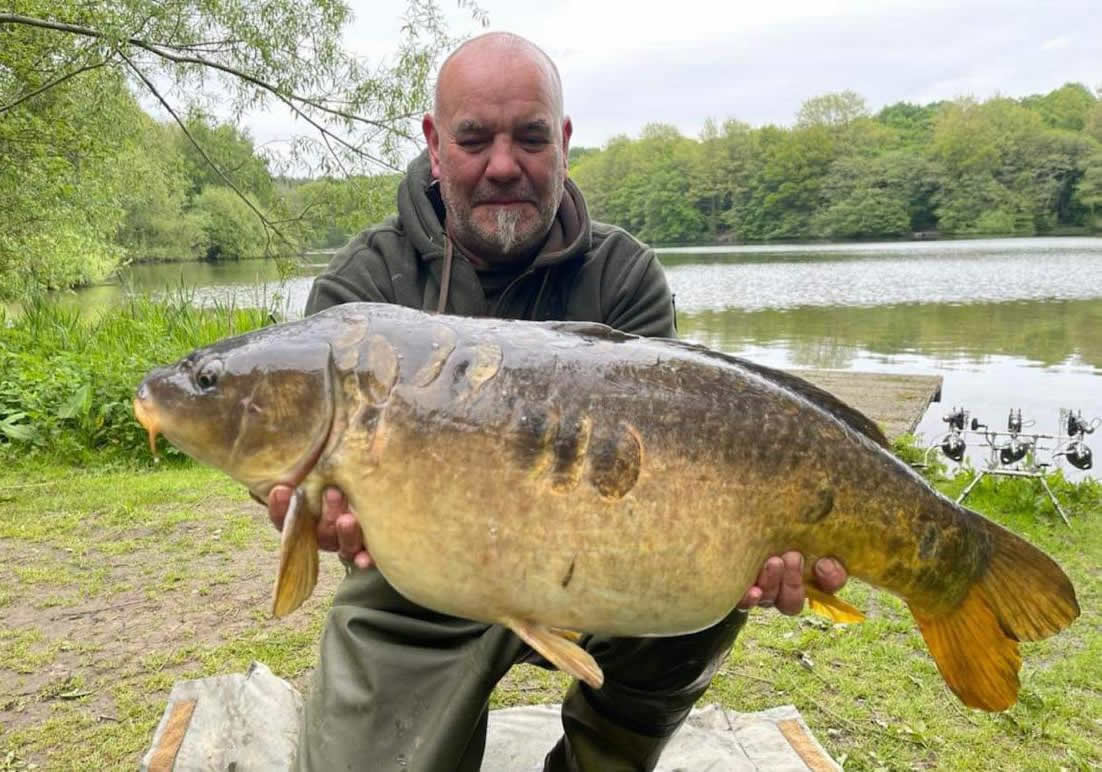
[(832, 607), (564, 654), (298, 559)]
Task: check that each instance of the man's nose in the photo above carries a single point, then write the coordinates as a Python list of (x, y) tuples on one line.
[(502, 166)]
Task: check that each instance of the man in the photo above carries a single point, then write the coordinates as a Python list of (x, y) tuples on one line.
[(489, 224)]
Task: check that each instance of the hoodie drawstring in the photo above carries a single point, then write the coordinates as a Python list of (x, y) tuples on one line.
[(446, 277), (539, 295)]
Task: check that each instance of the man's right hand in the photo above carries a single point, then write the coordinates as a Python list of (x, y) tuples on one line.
[(338, 529)]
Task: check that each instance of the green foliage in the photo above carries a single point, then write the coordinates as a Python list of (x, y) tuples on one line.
[(333, 210), (67, 383), (914, 123), (877, 195), (230, 228), (61, 190), (232, 152), (1065, 108), (839, 109), (87, 179), (1089, 192)]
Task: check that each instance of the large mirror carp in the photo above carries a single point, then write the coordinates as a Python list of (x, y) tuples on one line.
[(556, 476)]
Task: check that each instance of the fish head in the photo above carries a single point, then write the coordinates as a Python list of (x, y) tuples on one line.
[(257, 406)]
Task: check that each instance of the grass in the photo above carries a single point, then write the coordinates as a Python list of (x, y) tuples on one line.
[(119, 582)]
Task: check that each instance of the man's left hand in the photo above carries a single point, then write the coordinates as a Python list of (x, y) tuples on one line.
[(781, 582)]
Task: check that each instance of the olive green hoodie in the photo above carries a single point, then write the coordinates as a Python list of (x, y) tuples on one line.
[(584, 271)]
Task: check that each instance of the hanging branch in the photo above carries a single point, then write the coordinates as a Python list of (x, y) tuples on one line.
[(164, 103), (75, 29), (55, 82)]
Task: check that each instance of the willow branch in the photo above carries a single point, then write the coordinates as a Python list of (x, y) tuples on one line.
[(202, 152), (326, 134), (55, 82), (75, 29)]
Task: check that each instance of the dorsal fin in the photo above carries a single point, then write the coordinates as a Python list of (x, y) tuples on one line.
[(851, 417), (592, 330)]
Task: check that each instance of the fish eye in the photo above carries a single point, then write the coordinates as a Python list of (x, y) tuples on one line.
[(207, 376)]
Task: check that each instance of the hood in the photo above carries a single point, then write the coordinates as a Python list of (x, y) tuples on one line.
[(457, 286)]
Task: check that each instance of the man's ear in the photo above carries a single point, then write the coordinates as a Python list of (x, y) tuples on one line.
[(432, 138), (567, 130)]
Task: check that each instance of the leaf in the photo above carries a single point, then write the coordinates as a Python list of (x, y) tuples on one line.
[(17, 431), (76, 404)]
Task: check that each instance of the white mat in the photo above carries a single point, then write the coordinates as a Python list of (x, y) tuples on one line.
[(250, 722)]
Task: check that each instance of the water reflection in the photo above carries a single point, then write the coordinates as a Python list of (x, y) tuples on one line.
[(1041, 333)]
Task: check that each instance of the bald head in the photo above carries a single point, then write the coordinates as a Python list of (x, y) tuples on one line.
[(497, 48)]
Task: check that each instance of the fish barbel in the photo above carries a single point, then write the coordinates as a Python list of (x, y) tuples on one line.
[(555, 476)]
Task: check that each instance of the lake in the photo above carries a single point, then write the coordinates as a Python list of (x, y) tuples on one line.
[(1008, 323)]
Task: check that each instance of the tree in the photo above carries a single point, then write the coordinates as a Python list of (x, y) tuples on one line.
[(1092, 124), (230, 150), (836, 109), (335, 209), (914, 123), (1089, 192), (880, 196), (1064, 108), (159, 222), (57, 56), (230, 231), (61, 192)]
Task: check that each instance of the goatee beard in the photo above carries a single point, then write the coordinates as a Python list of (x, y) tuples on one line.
[(507, 220)]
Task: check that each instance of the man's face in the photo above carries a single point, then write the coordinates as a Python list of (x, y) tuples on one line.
[(499, 151)]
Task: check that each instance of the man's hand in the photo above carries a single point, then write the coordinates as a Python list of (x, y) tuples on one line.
[(338, 529), (781, 582)]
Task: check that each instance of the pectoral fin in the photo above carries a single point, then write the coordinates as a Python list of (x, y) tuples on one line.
[(566, 655), (831, 606), (298, 559)]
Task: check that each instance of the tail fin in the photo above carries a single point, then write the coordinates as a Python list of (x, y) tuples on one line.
[(1023, 596)]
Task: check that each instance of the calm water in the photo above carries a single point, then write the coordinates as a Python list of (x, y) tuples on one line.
[(1008, 323)]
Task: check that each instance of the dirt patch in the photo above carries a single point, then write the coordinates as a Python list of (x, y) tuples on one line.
[(63, 646)]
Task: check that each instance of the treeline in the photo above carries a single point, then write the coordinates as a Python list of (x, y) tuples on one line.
[(1001, 166), (89, 180)]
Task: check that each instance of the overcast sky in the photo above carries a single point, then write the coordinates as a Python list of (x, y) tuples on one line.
[(624, 65)]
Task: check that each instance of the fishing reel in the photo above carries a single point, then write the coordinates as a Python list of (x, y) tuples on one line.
[(1076, 451), (953, 444), (1016, 447)]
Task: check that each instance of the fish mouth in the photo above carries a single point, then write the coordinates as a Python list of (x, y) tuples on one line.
[(147, 417), (147, 414)]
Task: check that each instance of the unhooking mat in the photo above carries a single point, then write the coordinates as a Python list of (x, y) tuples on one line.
[(249, 722)]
